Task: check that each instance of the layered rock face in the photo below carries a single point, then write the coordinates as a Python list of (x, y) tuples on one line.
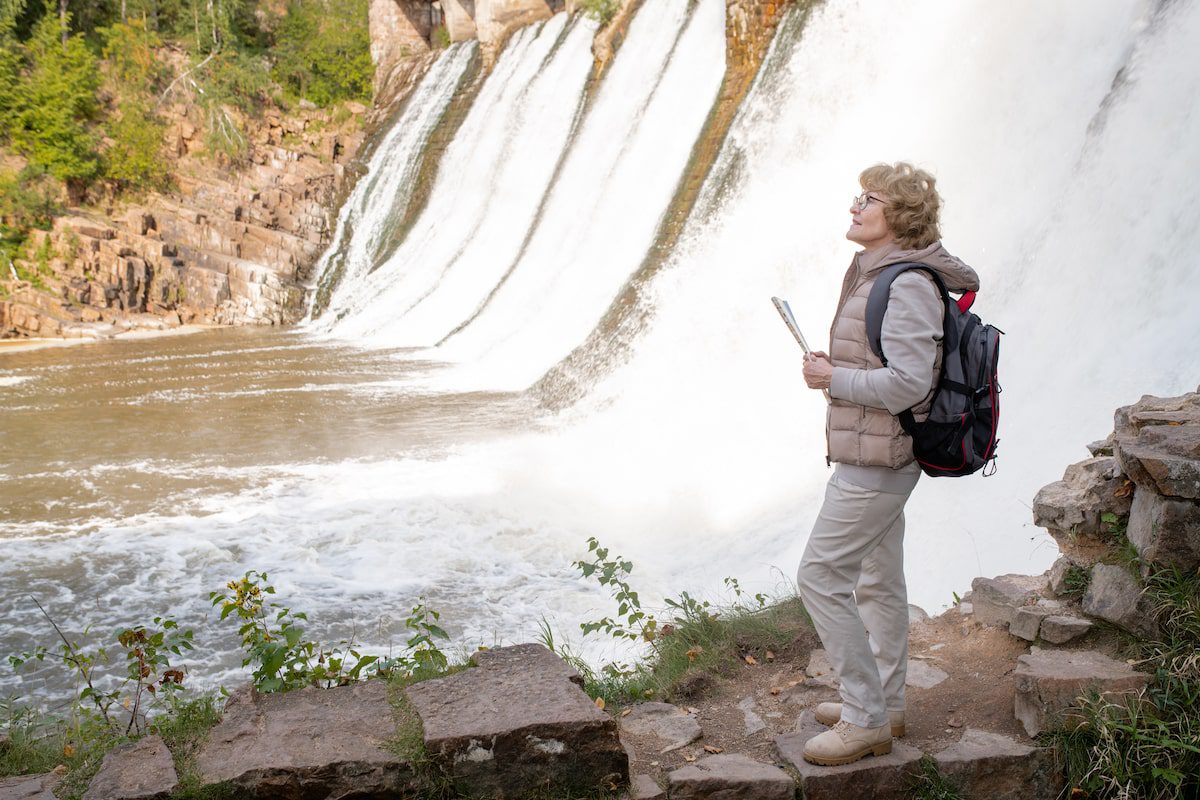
[(225, 246)]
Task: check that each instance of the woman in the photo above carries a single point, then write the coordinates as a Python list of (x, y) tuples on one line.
[(851, 577)]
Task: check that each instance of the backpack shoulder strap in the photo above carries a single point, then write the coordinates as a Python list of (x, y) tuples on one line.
[(877, 302)]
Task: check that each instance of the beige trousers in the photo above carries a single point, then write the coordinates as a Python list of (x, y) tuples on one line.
[(851, 579)]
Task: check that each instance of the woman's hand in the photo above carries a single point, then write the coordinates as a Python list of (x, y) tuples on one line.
[(818, 370)]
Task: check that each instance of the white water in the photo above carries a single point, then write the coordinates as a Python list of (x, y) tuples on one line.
[(703, 455)]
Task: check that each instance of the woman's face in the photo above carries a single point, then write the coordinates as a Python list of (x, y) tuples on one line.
[(867, 225)]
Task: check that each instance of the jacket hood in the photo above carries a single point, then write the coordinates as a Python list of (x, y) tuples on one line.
[(957, 275)]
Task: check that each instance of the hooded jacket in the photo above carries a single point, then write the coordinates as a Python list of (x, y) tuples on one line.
[(862, 428)]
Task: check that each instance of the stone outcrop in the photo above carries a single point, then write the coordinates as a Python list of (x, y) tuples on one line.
[(1116, 596), (1158, 444), (731, 777), (1165, 530), (518, 720), (308, 743), (1050, 682), (983, 764), (995, 600), (141, 770), (1078, 510), (30, 787)]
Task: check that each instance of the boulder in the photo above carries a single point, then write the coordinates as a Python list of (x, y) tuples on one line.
[(1061, 628), (1165, 531), (1058, 576), (995, 600), (141, 770), (519, 719), (730, 777), (308, 743), (1049, 684), (1102, 447), (1158, 444), (669, 727), (983, 764), (643, 787), (29, 787), (1088, 490), (887, 777), (1028, 619), (1116, 596)]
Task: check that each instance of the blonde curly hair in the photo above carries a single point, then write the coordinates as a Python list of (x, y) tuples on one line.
[(913, 202)]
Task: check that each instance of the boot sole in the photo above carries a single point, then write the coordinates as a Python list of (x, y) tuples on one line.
[(897, 730), (881, 749)]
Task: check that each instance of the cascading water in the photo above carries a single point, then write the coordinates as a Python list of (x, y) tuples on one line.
[(1065, 140)]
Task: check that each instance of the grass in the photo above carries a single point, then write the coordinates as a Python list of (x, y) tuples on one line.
[(1146, 746), (931, 784), (1076, 581)]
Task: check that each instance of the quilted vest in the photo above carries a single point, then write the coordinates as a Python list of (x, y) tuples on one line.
[(859, 435)]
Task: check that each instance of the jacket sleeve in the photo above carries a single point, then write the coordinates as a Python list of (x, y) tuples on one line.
[(912, 328)]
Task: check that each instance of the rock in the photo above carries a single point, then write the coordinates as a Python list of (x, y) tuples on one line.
[(1060, 629), (1058, 576), (643, 787), (983, 764), (141, 770), (1165, 531), (966, 609), (307, 743), (1158, 444), (878, 777), (495, 18), (916, 614), (996, 600), (1114, 595), (754, 723), (1050, 682), (923, 675), (1028, 619), (29, 787), (1088, 490), (1102, 447), (460, 23), (820, 671), (730, 777), (669, 726), (519, 719)]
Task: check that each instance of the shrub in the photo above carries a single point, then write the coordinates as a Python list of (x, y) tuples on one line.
[(323, 51), (602, 11)]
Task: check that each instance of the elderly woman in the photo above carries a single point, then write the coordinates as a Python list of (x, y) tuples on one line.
[(852, 574)]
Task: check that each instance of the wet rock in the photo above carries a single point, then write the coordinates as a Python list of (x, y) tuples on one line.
[(643, 787), (1116, 596), (142, 770), (1060, 629), (518, 719), (820, 671), (1165, 531), (995, 600), (1049, 683), (29, 787), (878, 777), (1028, 619), (754, 723), (670, 727), (307, 743), (1088, 490), (923, 675), (730, 777), (983, 764), (1158, 444)]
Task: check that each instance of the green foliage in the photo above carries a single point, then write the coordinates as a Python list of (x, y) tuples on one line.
[(135, 157), (121, 706), (441, 37), (1147, 745), (322, 51), (56, 106), (27, 200), (602, 11), (931, 784), (1076, 581)]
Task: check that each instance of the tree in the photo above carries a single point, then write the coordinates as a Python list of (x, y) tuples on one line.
[(323, 51)]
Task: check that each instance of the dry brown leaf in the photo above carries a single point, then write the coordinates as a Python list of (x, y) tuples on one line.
[(689, 759), (775, 690), (695, 651), (600, 703), (68, 750), (626, 712), (693, 710), (792, 684), (711, 748), (770, 656), (751, 660)]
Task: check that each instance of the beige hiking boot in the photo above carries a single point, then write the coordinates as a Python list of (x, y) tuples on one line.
[(845, 742), (830, 713)]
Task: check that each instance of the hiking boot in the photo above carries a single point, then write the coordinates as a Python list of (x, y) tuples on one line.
[(845, 743), (830, 713)]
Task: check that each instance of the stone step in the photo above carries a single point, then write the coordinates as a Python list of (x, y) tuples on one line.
[(730, 777), (886, 777), (30, 787), (988, 765), (141, 770), (1049, 683)]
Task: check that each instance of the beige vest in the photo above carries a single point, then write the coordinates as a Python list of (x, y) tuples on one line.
[(865, 437)]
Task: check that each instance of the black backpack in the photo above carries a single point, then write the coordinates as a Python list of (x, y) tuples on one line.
[(959, 436)]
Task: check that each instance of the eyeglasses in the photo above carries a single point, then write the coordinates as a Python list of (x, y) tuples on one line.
[(861, 202)]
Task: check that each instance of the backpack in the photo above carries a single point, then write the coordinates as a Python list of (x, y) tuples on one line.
[(959, 436)]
